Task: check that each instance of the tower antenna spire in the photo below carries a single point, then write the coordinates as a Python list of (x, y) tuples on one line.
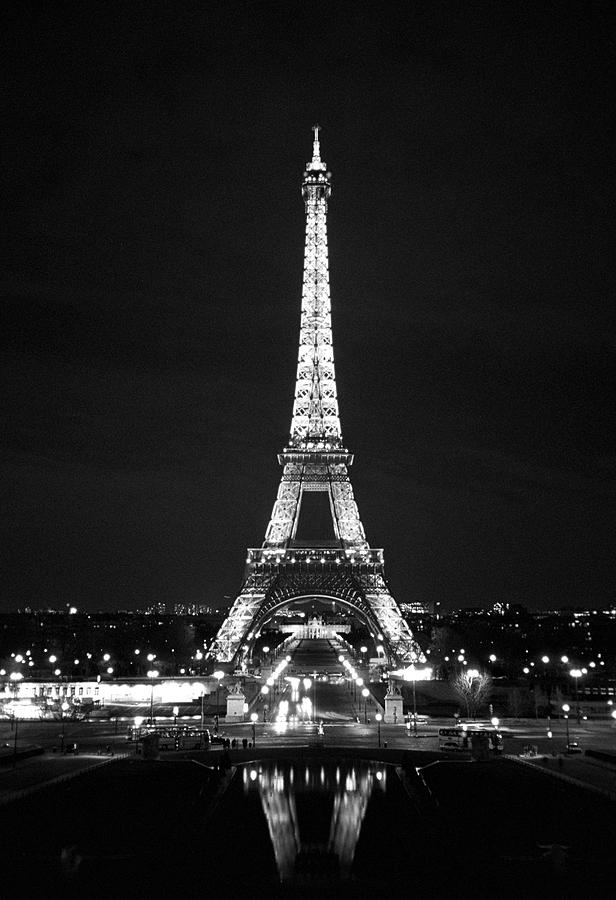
[(316, 147)]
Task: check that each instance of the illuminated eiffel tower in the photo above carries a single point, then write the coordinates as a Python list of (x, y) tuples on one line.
[(341, 567)]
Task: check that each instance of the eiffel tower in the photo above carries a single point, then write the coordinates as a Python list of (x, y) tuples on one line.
[(343, 567)]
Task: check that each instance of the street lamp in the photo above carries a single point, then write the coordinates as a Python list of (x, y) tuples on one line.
[(264, 693), (379, 719), (253, 719), (63, 710), (152, 674), (413, 679), (576, 673), (365, 694), (566, 709), (219, 675)]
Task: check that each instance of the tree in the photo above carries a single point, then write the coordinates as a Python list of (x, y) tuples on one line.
[(473, 688)]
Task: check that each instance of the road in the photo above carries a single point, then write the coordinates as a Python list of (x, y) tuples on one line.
[(345, 716), (342, 719)]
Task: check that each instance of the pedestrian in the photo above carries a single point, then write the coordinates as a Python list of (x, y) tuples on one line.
[(244, 743)]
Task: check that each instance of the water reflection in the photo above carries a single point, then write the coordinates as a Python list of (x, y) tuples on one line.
[(314, 812)]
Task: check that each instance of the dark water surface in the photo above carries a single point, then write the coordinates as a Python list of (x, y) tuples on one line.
[(317, 825), (327, 821)]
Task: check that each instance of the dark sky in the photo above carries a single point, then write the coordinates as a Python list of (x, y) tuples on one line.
[(153, 157)]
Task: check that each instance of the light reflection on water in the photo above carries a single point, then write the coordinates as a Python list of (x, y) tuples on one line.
[(314, 812)]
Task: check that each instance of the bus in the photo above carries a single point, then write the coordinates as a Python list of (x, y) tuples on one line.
[(171, 737), (461, 738)]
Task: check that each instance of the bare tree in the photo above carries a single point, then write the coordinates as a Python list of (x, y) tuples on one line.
[(473, 688)]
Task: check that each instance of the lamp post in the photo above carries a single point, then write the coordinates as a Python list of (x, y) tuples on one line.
[(414, 708), (379, 719), (63, 710), (176, 710), (576, 673), (365, 694), (152, 674), (219, 675), (15, 741), (566, 709), (253, 719)]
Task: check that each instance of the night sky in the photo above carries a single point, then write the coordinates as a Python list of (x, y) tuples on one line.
[(153, 156)]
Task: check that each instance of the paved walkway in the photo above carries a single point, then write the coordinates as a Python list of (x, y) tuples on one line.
[(37, 772), (584, 771)]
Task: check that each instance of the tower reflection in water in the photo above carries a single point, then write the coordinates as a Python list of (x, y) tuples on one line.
[(314, 812)]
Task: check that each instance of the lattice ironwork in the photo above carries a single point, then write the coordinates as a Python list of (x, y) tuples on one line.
[(315, 460)]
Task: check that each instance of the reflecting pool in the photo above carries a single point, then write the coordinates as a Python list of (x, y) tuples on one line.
[(314, 812)]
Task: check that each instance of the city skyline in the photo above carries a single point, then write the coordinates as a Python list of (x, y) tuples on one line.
[(156, 237)]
